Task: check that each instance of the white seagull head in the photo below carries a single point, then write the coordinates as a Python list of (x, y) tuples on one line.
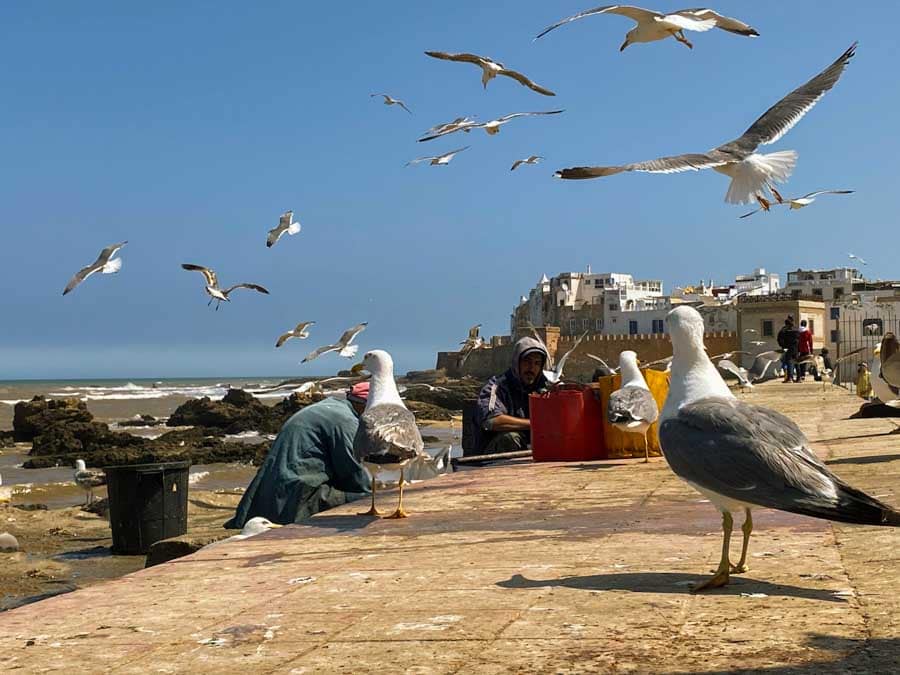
[(379, 363), (257, 525), (686, 330)]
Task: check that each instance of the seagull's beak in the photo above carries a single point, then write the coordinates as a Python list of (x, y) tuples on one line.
[(276, 525)]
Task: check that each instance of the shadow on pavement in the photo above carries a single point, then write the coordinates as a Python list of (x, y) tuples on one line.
[(866, 459), (669, 582)]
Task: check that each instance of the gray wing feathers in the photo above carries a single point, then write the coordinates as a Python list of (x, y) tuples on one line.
[(759, 456), (389, 430), (781, 117), (632, 404)]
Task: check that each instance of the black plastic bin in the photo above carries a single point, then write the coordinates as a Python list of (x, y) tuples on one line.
[(147, 503)]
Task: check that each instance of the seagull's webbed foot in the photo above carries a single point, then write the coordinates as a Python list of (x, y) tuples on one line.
[(764, 203), (400, 512), (683, 40), (373, 512), (721, 576), (776, 194)]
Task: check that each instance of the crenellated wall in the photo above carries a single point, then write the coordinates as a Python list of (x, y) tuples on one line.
[(483, 363)]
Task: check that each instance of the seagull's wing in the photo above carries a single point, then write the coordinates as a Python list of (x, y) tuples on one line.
[(454, 152), (351, 333), (319, 351), (403, 105), (517, 164), (813, 195), (209, 275), (747, 215), (108, 253), (731, 367), (674, 164), (420, 159), (449, 128), (630, 11), (851, 354), (384, 96), (284, 338), (252, 287), (522, 79), (719, 21), (473, 331), (285, 220), (302, 326), (562, 362), (463, 57), (759, 456), (507, 118), (601, 362), (81, 275), (781, 117)]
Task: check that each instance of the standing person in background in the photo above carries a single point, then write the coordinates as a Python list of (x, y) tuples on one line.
[(804, 348), (788, 339)]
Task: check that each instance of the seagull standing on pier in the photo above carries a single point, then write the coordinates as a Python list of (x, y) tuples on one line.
[(388, 438), (88, 479), (105, 264), (742, 456), (632, 408)]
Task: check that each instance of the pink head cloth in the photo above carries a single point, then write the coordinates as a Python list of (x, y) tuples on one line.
[(359, 392)]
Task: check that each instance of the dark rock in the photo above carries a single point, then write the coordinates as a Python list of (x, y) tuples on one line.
[(142, 421), (99, 507), (30, 507), (450, 395), (239, 411), (285, 408), (433, 376), (426, 411), (80, 437), (31, 418)]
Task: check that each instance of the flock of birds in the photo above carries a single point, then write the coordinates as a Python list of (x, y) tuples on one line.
[(738, 455)]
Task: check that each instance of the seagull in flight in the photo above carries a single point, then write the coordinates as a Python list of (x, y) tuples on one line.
[(533, 159), (459, 124), (390, 100), (286, 224), (105, 264), (856, 257), (220, 295), (653, 26), (491, 69), (750, 172), (439, 160), (795, 203), (492, 127), (301, 332), (342, 346)]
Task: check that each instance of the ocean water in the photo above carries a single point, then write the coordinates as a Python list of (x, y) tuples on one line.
[(115, 400)]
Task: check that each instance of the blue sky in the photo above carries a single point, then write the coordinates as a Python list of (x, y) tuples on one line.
[(188, 127)]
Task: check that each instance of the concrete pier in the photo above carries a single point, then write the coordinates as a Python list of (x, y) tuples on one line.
[(518, 567)]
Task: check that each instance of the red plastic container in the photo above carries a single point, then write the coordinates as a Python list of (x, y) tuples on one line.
[(567, 425)]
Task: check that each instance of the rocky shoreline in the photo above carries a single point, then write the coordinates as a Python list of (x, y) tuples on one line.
[(62, 430)]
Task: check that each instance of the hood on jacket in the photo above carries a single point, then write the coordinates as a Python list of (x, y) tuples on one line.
[(527, 345)]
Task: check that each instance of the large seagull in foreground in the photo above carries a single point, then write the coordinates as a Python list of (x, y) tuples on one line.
[(750, 173)]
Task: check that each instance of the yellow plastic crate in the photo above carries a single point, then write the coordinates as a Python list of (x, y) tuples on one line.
[(618, 443)]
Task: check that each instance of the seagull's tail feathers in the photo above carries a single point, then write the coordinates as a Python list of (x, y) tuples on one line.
[(112, 266), (349, 351), (851, 506), (293, 228), (753, 175)]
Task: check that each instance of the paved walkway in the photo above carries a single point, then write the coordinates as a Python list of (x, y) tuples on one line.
[(515, 568)]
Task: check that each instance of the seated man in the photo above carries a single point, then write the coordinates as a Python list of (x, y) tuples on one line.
[(501, 417), (310, 466)]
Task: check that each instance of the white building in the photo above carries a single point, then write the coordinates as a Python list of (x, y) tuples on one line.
[(759, 282), (825, 284)]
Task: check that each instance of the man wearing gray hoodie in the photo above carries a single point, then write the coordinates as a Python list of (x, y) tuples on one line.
[(502, 416)]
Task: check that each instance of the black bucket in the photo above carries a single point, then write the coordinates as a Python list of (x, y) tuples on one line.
[(147, 503)]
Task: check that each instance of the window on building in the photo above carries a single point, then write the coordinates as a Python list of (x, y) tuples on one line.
[(835, 313), (838, 293), (632, 327), (768, 328), (817, 292), (614, 308), (835, 336), (873, 327), (585, 324), (658, 326), (571, 325), (812, 325), (599, 324)]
